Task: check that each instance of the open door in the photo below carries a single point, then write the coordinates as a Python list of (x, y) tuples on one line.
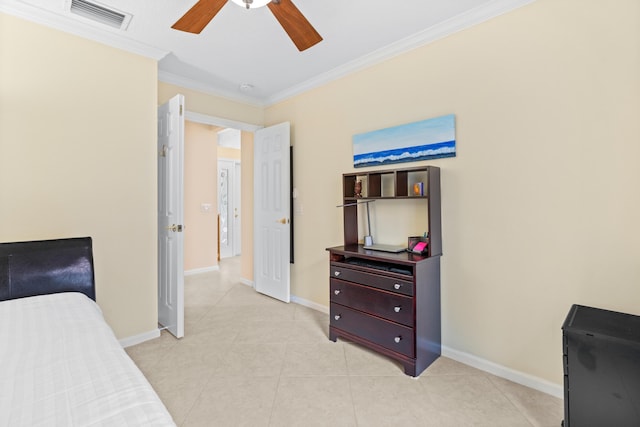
[(171, 216), (237, 209), (272, 225), (226, 207)]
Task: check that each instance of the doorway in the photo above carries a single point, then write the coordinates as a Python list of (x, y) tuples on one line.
[(229, 208), (229, 185), (201, 208)]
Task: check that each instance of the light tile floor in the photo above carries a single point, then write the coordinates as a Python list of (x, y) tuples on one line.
[(249, 360)]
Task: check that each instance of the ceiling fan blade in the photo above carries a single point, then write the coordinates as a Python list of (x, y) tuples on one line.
[(295, 24), (199, 16)]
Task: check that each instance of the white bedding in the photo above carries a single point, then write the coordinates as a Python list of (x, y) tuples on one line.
[(61, 365)]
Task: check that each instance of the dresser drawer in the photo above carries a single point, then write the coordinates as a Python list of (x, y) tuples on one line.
[(392, 306), (376, 280), (387, 334)]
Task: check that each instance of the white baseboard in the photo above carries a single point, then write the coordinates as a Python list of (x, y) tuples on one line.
[(310, 304), (474, 361), (522, 378), (140, 338), (247, 282), (504, 372), (294, 299), (202, 270)]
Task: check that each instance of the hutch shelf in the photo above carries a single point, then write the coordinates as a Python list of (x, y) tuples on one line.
[(389, 302)]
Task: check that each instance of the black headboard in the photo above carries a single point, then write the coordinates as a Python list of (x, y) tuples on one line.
[(46, 267)]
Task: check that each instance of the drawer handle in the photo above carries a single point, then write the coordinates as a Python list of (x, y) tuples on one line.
[(397, 339), (396, 286), (336, 273), (337, 292), (397, 309), (337, 316)]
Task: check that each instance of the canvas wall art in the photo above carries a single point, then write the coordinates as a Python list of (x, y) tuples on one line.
[(427, 139)]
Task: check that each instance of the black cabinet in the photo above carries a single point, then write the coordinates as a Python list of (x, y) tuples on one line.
[(601, 358)]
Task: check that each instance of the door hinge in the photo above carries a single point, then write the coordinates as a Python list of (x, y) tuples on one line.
[(163, 151), (180, 109)]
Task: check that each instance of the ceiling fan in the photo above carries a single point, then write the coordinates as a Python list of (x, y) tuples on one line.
[(292, 20)]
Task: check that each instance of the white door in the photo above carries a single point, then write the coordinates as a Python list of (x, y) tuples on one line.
[(225, 207), (237, 219), (171, 215), (271, 211)]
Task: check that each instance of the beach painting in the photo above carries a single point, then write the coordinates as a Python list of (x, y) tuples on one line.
[(424, 140)]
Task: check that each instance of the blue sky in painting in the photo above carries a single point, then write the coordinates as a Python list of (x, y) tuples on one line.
[(430, 131)]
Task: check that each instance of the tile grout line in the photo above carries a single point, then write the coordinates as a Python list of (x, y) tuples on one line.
[(211, 375), (275, 394), (346, 362), (506, 396)]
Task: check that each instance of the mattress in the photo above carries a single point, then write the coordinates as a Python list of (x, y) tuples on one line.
[(61, 365)]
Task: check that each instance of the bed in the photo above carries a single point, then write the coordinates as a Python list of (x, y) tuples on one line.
[(60, 363)]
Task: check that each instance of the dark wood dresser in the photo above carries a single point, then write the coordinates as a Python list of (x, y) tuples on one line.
[(389, 302)]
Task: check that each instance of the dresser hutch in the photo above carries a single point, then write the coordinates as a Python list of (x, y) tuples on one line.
[(389, 302)]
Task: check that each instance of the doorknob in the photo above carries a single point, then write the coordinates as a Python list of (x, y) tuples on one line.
[(283, 220), (175, 228)]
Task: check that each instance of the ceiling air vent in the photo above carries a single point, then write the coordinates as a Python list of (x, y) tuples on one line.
[(100, 13)]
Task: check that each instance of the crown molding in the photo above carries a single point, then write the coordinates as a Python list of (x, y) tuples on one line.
[(453, 25), (79, 28), (458, 23), (197, 85)]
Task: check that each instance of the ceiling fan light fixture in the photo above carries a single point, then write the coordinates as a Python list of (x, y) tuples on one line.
[(293, 22), (251, 4)]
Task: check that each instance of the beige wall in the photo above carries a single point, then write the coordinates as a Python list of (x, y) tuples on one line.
[(541, 205), (229, 153), (78, 158), (211, 105), (200, 177)]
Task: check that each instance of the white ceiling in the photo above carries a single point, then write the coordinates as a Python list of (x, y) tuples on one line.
[(242, 46)]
